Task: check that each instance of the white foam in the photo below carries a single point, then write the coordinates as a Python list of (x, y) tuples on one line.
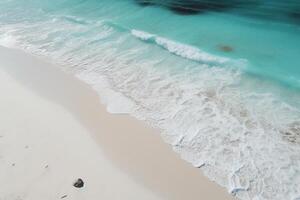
[(115, 102), (142, 35), (186, 51), (8, 40)]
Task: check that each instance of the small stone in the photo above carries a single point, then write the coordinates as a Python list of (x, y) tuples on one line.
[(63, 196), (46, 166), (79, 183), (13, 164)]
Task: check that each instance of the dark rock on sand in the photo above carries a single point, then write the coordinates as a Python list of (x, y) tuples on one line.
[(79, 183)]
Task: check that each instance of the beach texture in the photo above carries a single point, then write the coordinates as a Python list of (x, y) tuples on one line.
[(54, 130)]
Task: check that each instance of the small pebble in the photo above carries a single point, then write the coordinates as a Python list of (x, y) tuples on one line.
[(63, 196), (79, 183)]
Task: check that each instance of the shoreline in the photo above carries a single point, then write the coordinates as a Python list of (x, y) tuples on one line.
[(138, 152)]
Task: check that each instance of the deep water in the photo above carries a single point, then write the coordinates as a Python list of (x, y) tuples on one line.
[(221, 79)]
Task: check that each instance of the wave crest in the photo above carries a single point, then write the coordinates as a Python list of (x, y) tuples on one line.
[(183, 50)]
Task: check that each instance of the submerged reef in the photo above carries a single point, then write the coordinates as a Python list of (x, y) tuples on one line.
[(288, 10), (190, 7), (145, 2), (194, 7)]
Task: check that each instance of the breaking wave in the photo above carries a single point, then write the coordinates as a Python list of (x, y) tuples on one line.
[(185, 51)]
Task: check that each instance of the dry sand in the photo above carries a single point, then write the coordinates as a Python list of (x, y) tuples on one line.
[(53, 129)]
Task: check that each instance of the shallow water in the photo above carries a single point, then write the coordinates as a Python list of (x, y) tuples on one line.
[(222, 81)]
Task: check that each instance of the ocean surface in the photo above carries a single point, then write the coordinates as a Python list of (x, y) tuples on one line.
[(220, 79)]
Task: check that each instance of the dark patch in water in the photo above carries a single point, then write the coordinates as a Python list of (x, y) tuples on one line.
[(184, 10), (292, 134), (225, 48), (295, 15), (189, 7), (288, 10), (195, 7), (144, 3)]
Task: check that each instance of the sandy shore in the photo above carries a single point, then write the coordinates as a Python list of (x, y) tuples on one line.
[(53, 130)]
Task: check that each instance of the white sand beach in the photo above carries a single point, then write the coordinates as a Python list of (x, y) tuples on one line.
[(54, 130)]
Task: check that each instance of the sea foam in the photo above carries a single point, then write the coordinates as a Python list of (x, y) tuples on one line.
[(7, 40), (180, 49)]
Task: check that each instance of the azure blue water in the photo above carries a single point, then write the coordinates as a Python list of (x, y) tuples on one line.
[(220, 79)]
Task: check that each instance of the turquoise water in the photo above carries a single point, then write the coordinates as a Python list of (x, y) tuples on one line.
[(270, 46), (221, 79)]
